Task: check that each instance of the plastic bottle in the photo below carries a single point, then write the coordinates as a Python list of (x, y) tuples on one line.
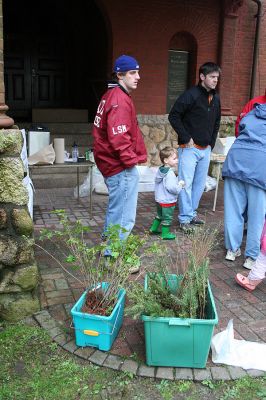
[(87, 155), (75, 152)]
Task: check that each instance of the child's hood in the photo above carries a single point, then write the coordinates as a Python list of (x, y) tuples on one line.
[(162, 171)]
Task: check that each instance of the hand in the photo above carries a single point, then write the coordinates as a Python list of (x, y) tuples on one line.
[(190, 143), (182, 184)]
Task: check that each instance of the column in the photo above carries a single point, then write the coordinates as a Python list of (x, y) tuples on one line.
[(5, 121), (228, 52)]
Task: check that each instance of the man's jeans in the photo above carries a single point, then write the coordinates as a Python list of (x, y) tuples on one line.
[(123, 197), (193, 165), (239, 196)]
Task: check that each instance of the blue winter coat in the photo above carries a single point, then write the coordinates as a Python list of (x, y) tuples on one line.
[(246, 160)]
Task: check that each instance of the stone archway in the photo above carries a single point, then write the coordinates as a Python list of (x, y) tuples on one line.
[(187, 42), (182, 63), (56, 55)]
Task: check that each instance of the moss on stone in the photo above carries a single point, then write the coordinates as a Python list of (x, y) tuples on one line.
[(14, 252), (11, 141), (8, 250), (15, 307), (3, 218), (25, 251), (26, 277), (6, 278), (12, 189), (22, 221)]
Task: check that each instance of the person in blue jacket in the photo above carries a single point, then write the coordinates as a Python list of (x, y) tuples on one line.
[(245, 187)]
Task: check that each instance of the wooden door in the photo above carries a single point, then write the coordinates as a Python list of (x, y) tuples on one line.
[(35, 74), (17, 76), (48, 73)]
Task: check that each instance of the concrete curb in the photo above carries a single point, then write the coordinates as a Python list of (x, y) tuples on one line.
[(118, 363)]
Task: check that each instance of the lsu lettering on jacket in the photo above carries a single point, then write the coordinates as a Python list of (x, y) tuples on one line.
[(118, 141)]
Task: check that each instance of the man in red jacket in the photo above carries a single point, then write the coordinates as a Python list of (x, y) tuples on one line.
[(119, 145), (247, 108)]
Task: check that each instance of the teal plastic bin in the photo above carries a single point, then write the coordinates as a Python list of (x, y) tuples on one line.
[(96, 330), (179, 342)]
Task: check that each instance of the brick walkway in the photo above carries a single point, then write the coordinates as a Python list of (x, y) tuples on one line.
[(59, 292)]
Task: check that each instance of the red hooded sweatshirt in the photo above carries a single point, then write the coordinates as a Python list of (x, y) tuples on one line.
[(248, 107), (118, 141)]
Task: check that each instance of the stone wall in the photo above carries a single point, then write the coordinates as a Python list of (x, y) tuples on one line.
[(158, 133), (18, 270)]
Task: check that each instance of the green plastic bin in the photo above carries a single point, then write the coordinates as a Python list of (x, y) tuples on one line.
[(179, 342)]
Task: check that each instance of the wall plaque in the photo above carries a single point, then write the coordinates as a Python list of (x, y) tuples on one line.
[(177, 76)]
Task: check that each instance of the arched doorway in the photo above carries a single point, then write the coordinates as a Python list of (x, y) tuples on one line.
[(55, 55), (182, 65)]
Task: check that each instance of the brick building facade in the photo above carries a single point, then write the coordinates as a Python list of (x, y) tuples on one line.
[(91, 36)]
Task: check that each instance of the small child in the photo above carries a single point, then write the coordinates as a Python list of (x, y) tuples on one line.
[(167, 189), (257, 273)]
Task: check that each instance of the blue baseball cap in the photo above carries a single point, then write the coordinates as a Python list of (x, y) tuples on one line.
[(125, 63)]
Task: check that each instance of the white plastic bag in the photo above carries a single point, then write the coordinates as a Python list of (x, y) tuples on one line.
[(210, 184), (27, 182), (239, 353), (146, 178), (84, 188), (98, 182)]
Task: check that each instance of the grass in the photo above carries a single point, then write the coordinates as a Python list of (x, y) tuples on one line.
[(32, 367)]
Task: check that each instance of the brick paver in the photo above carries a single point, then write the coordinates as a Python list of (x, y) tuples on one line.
[(165, 373), (59, 291)]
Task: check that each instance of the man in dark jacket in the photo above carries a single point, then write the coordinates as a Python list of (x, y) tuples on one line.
[(195, 117), (119, 145)]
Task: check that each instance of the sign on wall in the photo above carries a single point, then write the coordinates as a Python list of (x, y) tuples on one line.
[(177, 76)]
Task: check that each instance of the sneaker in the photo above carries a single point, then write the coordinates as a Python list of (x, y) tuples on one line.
[(186, 228), (231, 255), (197, 221), (249, 263)]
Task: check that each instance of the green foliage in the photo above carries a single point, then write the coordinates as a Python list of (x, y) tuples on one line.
[(184, 299), (210, 384), (193, 289), (69, 248), (32, 367), (168, 389)]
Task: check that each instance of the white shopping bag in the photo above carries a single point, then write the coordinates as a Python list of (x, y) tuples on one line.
[(210, 184), (239, 353), (27, 182)]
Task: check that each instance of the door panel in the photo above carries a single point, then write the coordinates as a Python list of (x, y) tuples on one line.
[(17, 77), (35, 75), (48, 74)]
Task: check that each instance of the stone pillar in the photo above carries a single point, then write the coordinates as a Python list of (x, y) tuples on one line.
[(157, 133), (5, 121), (228, 53), (18, 270)]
